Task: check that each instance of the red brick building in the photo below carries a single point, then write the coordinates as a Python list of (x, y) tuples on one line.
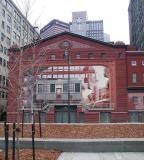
[(71, 78)]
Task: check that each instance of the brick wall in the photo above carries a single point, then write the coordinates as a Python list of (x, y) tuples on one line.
[(84, 130)]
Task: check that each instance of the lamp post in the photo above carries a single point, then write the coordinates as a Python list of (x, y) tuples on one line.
[(66, 45)]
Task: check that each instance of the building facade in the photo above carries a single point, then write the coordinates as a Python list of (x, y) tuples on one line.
[(14, 29), (54, 27), (136, 23), (69, 78)]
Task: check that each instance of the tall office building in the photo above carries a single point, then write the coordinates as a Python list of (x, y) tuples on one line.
[(136, 23), (106, 37), (95, 30), (14, 29), (81, 25), (78, 24), (54, 27)]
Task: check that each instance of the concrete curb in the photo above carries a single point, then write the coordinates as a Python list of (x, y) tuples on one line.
[(82, 145)]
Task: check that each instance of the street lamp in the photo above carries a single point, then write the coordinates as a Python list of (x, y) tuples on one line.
[(66, 45)]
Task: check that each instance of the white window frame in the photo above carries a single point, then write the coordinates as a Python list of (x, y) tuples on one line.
[(134, 78), (133, 63)]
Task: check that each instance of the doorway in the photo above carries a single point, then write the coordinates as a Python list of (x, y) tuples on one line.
[(61, 114)]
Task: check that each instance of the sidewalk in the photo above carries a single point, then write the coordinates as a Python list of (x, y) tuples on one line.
[(102, 156), (82, 145)]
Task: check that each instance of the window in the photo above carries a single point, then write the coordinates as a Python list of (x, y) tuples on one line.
[(0, 80), (105, 117), (120, 55), (143, 78), (8, 29), (3, 13), (3, 94), (133, 63), (42, 117), (52, 57), (133, 116), (3, 24), (1, 48), (65, 87), (135, 99), (134, 77), (9, 7), (8, 41), (3, 80), (14, 35), (90, 55), (9, 18), (4, 63), (2, 36), (142, 62), (52, 88), (77, 55), (6, 82), (0, 61), (103, 55), (18, 38), (15, 13), (15, 25), (40, 88), (29, 57), (5, 50), (18, 18), (27, 117), (77, 87)]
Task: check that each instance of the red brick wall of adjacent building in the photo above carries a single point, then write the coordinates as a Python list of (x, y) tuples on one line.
[(138, 68), (135, 90)]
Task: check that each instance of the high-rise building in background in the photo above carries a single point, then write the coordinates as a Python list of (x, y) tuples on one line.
[(106, 37), (136, 23), (95, 30), (54, 27), (14, 29), (81, 25), (78, 24)]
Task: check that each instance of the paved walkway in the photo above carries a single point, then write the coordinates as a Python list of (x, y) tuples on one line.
[(102, 156)]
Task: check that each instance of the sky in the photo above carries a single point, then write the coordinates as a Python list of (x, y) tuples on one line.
[(114, 14)]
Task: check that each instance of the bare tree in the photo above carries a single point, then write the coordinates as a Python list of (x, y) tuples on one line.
[(26, 6), (18, 66)]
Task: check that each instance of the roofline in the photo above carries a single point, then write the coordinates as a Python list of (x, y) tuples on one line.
[(75, 35), (86, 38), (135, 51)]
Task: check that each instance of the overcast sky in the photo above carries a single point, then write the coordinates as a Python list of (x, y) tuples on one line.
[(114, 13)]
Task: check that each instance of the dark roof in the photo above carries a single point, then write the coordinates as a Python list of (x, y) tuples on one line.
[(55, 22), (77, 36), (86, 38)]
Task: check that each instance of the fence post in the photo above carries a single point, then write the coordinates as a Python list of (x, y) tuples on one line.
[(6, 128), (40, 124), (33, 141), (13, 144), (22, 122)]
